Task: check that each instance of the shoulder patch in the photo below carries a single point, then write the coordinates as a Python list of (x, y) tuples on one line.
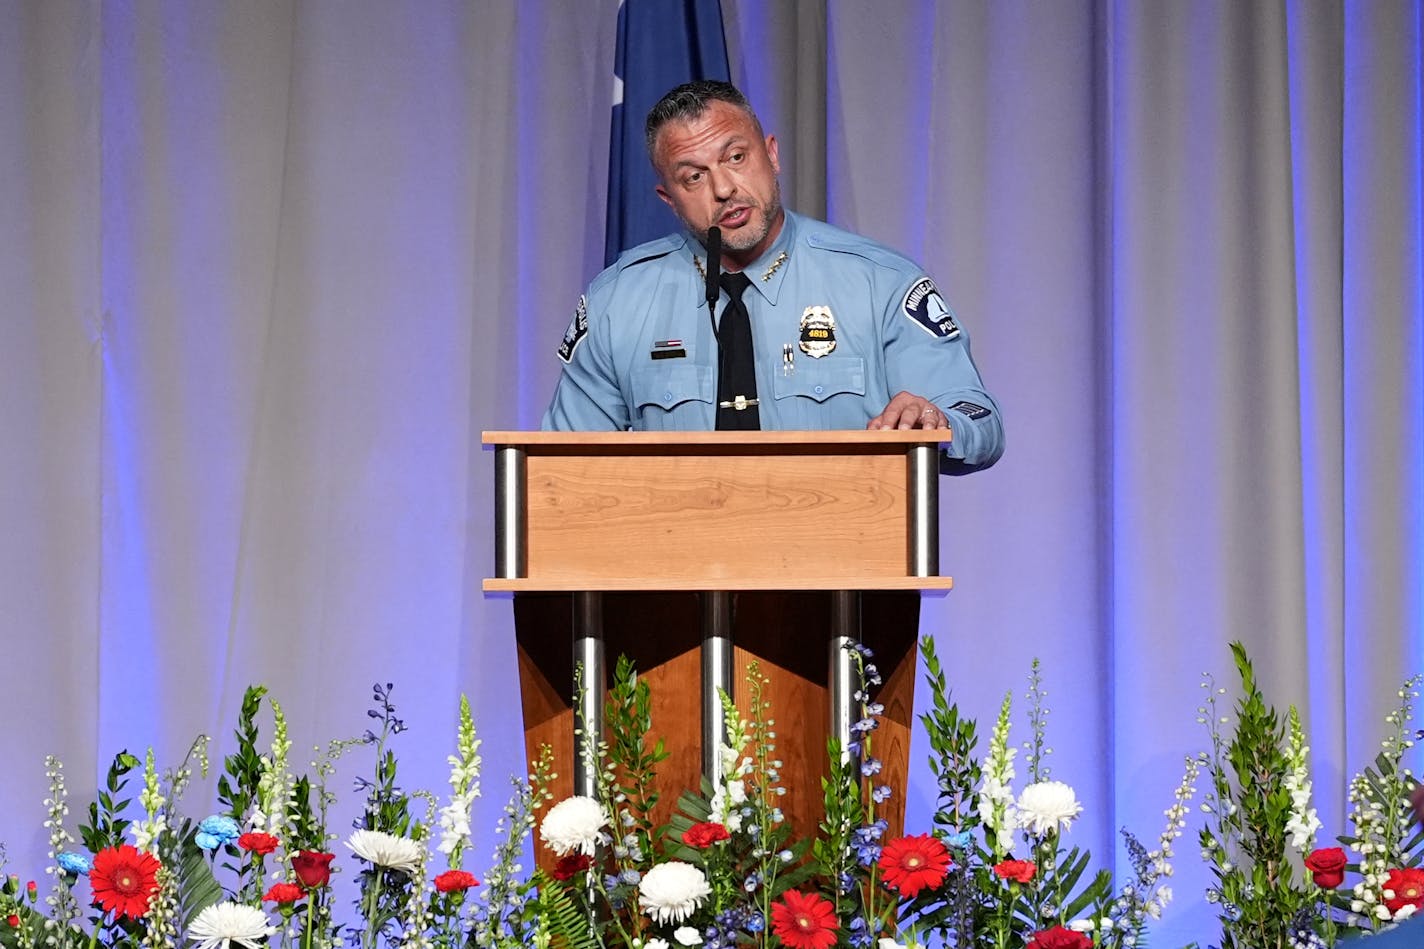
[(927, 309), (578, 329)]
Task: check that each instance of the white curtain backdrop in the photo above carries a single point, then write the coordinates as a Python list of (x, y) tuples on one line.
[(268, 269)]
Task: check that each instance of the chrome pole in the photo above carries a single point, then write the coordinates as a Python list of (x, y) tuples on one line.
[(716, 675), (845, 633), (511, 558), (588, 688), (924, 511)]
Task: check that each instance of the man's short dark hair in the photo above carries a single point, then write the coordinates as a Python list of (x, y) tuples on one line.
[(690, 100)]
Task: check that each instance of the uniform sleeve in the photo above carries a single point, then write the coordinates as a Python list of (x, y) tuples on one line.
[(587, 397), (927, 354)]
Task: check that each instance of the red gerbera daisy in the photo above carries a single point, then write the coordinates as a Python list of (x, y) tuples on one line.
[(804, 920), (911, 864), (455, 880), (1407, 885), (123, 880)]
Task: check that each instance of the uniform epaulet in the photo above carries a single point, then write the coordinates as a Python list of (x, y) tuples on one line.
[(827, 237), (642, 254), (652, 250)]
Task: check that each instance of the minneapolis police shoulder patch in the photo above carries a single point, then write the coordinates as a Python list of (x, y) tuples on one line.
[(926, 307), (578, 329)]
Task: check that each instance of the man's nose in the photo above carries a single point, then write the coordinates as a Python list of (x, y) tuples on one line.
[(723, 185)]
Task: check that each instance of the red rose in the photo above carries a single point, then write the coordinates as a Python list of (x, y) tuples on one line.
[(1408, 889), (705, 835), (13, 920), (1327, 866), (1059, 938), (457, 880), (284, 893), (571, 866), (1020, 871), (313, 868), (258, 843)]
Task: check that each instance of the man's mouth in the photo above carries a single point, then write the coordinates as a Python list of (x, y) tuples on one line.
[(735, 217)]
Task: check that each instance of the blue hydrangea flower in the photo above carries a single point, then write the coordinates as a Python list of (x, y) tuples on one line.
[(755, 923), (71, 862), (216, 831), (961, 840)]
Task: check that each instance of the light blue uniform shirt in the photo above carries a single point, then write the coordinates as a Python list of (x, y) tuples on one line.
[(860, 322)]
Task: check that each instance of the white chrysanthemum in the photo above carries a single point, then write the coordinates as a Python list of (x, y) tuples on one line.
[(573, 824), (687, 936), (672, 891), (386, 850), (1047, 806), (223, 924)]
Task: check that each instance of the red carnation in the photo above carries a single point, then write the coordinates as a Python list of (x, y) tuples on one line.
[(1408, 889), (705, 834), (1019, 871), (571, 866), (284, 893), (1059, 937), (804, 920), (262, 844), (13, 920), (313, 868), (123, 880), (1327, 867), (911, 864), (457, 880)]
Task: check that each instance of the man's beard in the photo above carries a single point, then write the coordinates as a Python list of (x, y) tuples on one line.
[(746, 238)]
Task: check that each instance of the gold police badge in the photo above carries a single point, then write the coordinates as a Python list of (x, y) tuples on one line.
[(818, 331)]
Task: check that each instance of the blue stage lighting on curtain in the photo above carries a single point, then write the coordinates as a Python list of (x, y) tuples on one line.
[(661, 44)]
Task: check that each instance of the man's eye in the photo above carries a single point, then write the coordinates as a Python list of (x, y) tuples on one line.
[(692, 179), (737, 157)]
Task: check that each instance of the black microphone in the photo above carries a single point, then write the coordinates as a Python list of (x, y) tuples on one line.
[(714, 266)]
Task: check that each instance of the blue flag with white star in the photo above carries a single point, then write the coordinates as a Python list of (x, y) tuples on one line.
[(661, 44)]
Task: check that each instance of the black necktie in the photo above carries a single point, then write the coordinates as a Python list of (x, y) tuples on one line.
[(736, 364)]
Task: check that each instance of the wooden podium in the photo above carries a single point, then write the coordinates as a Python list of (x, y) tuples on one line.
[(633, 543)]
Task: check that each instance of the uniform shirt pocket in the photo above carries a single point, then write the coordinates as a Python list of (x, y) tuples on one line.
[(821, 379), (664, 394)]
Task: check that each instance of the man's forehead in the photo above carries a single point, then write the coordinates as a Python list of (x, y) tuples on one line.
[(719, 125)]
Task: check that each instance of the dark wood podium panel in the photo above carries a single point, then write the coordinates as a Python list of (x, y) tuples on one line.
[(788, 633)]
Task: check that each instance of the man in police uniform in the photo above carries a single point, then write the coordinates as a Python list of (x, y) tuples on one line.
[(846, 333)]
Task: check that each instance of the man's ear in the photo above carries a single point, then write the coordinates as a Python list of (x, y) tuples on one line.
[(771, 151), (662, 193)]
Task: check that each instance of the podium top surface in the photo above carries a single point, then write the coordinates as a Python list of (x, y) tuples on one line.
[(756, 439)]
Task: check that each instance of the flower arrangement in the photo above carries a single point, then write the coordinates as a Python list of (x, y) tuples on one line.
[(993, 868)]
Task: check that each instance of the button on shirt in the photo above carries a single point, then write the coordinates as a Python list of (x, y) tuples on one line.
[(860, 323)]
